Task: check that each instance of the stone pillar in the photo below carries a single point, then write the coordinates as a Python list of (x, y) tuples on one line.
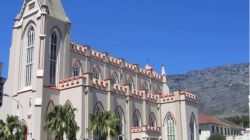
[(145, 110), (88, 104), (128, 114), (88, 64)]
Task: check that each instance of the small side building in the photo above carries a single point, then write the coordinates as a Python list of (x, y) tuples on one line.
[(209, 125)]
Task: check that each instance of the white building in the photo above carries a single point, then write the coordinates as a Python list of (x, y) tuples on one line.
[(210, 125), (46, 68)]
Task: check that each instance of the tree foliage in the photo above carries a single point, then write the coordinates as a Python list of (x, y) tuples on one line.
[(12, 129), (103, 124), (240, 120), (217, 137), (60, 121)]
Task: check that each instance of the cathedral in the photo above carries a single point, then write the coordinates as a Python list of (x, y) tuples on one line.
[(47, 68)]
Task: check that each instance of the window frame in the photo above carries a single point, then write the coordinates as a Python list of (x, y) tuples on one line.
[(76, 69), (29, 56), (53, 57), (170, 128)]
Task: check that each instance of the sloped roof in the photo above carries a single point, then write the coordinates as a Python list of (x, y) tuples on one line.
[(203, 118), (211, 119), (56, 9)]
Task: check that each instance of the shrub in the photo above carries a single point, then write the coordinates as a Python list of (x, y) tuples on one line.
[(217, 137)]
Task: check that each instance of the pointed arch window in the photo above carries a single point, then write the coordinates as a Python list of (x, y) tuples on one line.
[(76, 69), (170, 128), (53, 58), (136, 119), (131, 84), (152, 120), (98, 108), (145, 86), (97, 73), (115, 78), (192, 126), (29, 56), (120, 115)]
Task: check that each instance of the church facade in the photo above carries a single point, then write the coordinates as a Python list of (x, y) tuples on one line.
[(46, 68)]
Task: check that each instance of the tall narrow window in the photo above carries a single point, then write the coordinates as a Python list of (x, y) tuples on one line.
[(53, 56), (131, 84), (192, 126), (170, 128), (120, 115), (29, 56)]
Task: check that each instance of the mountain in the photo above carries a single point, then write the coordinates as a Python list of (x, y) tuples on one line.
[(222, 91)]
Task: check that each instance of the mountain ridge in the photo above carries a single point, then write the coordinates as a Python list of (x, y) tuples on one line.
[(222, 90)]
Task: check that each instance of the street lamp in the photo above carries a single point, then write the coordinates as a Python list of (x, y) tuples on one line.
[(19, 104)]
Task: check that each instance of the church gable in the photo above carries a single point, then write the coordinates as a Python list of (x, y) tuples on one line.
[(29, 7), (55, 9)]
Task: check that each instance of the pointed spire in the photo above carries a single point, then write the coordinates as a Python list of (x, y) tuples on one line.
[(163, 71), (164, 80)]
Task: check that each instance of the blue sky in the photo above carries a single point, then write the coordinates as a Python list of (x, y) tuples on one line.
[(182, 34)]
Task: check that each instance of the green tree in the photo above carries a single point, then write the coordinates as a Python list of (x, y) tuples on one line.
[(60, 121), (217, 137), (104, 124), (240, 120), (12, 129)]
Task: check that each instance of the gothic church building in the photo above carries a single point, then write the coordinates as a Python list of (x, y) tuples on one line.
[(47, 68)]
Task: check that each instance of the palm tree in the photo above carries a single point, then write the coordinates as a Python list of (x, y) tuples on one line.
[(61, 120), (12, 129), (103, 124)]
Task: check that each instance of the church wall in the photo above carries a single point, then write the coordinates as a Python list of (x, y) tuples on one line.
[(118, 100), (75, 98), (191, 110), (50, 98), (61, 27), (137, 105), (18, 55), (172, 109), (152, 108), (26, 110)]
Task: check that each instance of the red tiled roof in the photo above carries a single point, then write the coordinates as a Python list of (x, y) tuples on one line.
[(211, 119)]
